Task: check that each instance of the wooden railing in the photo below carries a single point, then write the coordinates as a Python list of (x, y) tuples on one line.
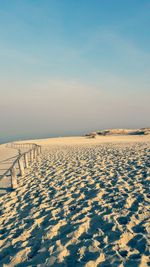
[(23, 160)]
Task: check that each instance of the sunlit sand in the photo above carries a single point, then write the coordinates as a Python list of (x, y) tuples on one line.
[(84, 202)]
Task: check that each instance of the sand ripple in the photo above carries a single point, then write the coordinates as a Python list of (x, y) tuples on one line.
[(79, 205)]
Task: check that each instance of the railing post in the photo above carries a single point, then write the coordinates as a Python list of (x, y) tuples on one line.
[(13, 177), (28, 155), (35, 152), (31, 155), (21, 166), (39, 148), (26, 160)]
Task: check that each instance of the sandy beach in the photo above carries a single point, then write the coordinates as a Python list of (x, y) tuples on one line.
[(84, 202)]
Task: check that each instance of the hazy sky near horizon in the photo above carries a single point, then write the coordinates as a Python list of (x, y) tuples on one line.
[(69, 67)]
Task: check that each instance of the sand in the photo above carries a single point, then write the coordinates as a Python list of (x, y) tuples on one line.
[(84, 202)]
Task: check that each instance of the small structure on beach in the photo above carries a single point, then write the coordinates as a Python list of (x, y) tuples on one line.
[(22, 162)]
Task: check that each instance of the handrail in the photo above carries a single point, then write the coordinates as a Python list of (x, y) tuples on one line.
[(22, 160)]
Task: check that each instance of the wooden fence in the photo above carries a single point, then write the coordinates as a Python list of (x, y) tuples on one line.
[(23, 160)]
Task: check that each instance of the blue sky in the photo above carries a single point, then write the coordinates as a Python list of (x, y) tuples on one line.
[(71, 66)]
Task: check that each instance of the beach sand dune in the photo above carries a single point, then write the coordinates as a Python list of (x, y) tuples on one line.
[(80, 204)]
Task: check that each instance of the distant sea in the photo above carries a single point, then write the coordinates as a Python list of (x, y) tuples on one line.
[(4, 140)]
